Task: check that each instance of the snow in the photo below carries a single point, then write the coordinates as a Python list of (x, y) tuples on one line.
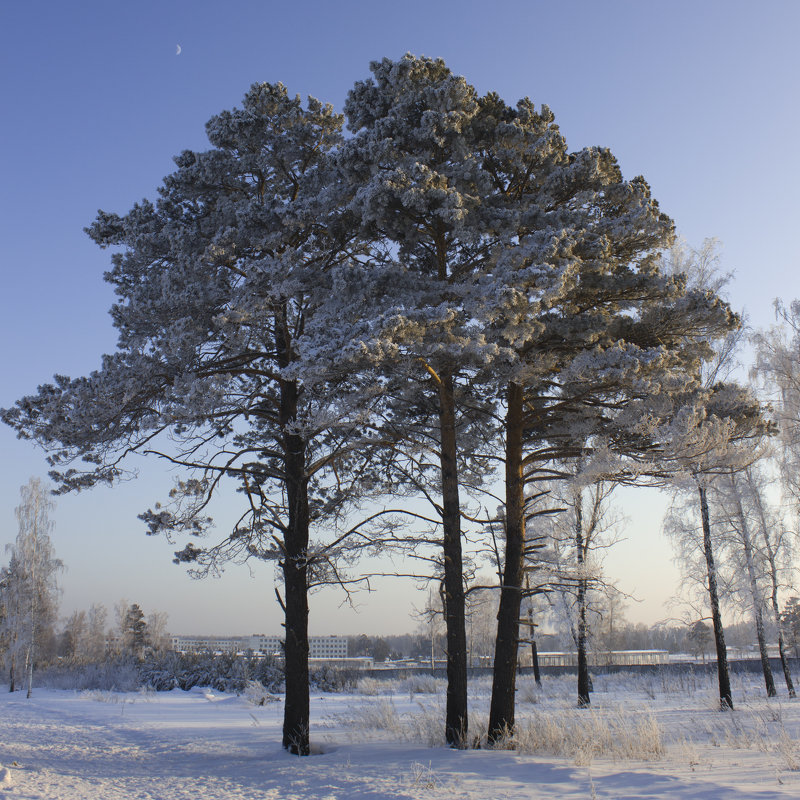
[(64, 745)]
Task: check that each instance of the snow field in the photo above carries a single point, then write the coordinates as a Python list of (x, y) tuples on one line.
[(645, 736)]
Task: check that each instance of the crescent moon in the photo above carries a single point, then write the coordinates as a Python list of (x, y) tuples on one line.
[(178, 50)]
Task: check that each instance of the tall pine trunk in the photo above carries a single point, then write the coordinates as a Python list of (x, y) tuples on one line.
[(454, 602), (504, 675), (296, 717), (758, 616), (725, 698), (583, 663), (296, 711)]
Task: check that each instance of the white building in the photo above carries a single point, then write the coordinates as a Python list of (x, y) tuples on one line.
[(320, 647)]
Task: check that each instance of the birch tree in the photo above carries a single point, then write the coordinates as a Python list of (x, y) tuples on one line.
[(30, 589), (578, 534), (777, 365), (731, 502), (706, 437), (761, 550), (718, 431)]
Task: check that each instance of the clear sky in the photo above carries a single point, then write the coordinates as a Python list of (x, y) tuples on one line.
[(700, 97)]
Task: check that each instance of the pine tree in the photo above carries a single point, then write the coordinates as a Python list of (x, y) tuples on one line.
[(134, 631), (588, 327), (418, 194), (216, 283), (790, 619)]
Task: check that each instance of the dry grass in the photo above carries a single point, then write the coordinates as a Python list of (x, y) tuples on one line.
[(632, 718), (583, 735)]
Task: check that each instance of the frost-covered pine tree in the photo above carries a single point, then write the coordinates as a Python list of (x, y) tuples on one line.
[(419, 196), (501, 266), (587, 327), (216, 283)]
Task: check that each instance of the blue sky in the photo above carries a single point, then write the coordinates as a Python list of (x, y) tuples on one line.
[(699, 97)]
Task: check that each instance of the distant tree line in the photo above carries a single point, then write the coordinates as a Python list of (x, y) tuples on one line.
[(31, 634)]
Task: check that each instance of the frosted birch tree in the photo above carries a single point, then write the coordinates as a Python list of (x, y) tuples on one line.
[(760, 553), (30, 590), (728, 496), (777, 365), (704, 441), (578, 534), (719, 430)]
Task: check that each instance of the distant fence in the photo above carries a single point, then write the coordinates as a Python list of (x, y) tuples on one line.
[(744, 665)]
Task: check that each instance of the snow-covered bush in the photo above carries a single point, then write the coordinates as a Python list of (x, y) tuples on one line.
[(332, 679), (223, 672), (162, 672), (114, 675), (255, 693)]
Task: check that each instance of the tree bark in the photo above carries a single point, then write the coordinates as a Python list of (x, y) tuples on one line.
[(725, 698), (456, 724), (531, 628), (29, 671), (296, 712), (535, 661), (504, 675), (583, 664)]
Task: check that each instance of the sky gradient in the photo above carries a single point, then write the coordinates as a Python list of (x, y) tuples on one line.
[(699, 97)]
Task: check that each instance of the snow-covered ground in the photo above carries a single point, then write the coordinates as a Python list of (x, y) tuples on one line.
[(645, 737)]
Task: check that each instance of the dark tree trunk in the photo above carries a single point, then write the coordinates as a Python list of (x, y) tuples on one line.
[(504, 676), (454, 603), (766, 668), (296, 712), (535, 662), (725, 698), (583, 663), (29, 671), (787, 675), (12, 675), (531, 628)]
